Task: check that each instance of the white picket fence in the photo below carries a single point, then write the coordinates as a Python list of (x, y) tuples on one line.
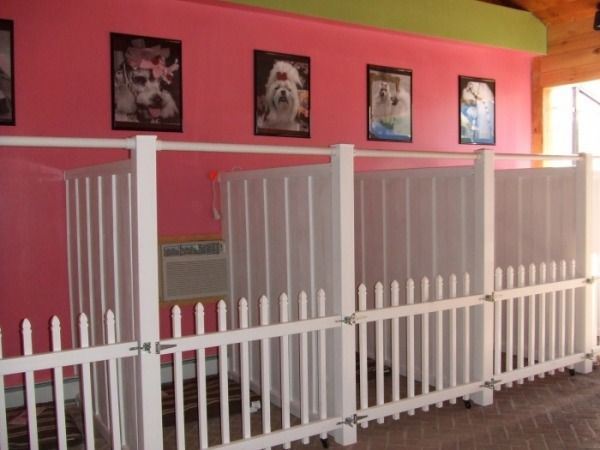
[(535, 327), (445, 347), (57, 360), (429, 338), (272, 335), (281, 331)]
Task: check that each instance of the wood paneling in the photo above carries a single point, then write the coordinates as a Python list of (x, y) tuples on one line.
[(573, 50)]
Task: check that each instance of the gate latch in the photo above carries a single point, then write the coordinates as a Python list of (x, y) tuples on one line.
[(490, 297), (145, 347), (491, 384), (351, 319), (352, 420), (160, 347)]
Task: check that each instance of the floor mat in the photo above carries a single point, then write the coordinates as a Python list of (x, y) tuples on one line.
[(18, 428)]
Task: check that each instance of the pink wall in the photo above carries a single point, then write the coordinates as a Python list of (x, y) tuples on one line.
[(63, 89)]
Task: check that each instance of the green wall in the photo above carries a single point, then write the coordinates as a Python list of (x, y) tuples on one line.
[(464, 20)]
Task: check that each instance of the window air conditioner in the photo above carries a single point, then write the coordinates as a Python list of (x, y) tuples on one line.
[(193, 270)]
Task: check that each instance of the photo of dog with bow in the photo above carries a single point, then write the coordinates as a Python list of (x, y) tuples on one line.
[(282, 95), (146, 83)]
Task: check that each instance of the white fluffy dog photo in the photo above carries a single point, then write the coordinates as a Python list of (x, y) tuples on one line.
[(477, 109), (143, 87), (282, 101), (389, 104)]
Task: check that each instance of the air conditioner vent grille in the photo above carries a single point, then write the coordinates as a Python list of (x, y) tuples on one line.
[(194, 269)]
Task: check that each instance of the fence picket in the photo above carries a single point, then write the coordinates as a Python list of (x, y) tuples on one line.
[(304, 411), (510, 280), (498, 327), (244, 370), (531, 312), (178, 381), (467, 335), (59, 391), (265, 366), (552, 317), (452, 329), (571, 316), (362, 353), (439, 335), (425, 342), (30, 387), (521, 322), (542, 320), (113, 385), (395, 301), (223, 378), (562, 312), (284, 349), (86, 385), (201, 379), (322, 362), (410, 344), (379, 348)]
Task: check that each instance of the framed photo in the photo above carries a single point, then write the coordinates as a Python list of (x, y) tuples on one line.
[(281, 94), (389, 92), (146, 83), (477, 110), (7, 75)]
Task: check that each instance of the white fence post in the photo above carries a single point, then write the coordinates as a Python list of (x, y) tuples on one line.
[(343, 363), (585, 334), (482, 365), (145, 290)]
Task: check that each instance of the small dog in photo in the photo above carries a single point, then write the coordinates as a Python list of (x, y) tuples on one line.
[(141, 85), (282, 101), (387, 102)]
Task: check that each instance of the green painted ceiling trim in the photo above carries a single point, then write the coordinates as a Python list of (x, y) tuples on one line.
[(463, 20)]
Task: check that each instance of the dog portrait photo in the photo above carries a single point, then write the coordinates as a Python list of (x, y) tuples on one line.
[(389, 92), (477, 110), (7, 84), (281, 94), (146, 83)]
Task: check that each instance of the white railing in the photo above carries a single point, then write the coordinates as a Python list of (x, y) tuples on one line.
[(438, 353), (58, 359), (285, 334), (534, 321)]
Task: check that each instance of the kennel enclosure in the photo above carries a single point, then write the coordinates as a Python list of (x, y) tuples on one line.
[(428, 312)]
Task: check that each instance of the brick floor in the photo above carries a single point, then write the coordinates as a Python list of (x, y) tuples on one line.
[(556, 412)]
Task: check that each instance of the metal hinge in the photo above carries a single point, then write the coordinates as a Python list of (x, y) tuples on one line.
[(160, 347), (490, 297), (350, 320), (145, 347), (352, 420), (490, 384)]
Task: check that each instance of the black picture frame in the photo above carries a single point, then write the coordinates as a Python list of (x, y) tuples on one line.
[(281, 94), (146, 83), (7, 73), (389, 104), (476, 110)]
